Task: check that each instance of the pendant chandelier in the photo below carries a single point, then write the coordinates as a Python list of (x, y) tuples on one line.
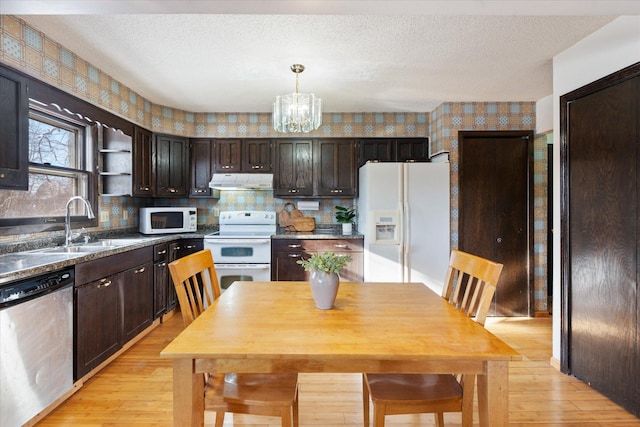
[(297, 112)]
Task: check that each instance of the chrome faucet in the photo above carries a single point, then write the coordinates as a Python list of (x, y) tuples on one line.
[(67, 222)]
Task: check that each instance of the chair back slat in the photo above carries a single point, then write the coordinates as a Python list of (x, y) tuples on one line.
[(470, 284), (194, 276)]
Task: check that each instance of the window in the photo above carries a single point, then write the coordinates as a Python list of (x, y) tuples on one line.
[(60, 163)]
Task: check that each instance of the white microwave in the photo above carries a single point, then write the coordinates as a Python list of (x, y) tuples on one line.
[(167, 220)]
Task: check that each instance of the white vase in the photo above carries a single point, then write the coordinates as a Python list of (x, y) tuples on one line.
[(324, 288), (347, 228)]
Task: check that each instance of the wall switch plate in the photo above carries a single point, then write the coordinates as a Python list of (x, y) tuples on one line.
[(104, 216), (125, 214)]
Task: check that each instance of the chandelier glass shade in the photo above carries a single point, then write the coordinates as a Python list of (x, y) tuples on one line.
[(297, 112)]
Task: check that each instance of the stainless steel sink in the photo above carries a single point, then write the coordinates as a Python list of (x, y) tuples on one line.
[(83, 249), (116, 242)]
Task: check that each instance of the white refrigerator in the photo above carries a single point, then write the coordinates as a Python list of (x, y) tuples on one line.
[(403, 213)]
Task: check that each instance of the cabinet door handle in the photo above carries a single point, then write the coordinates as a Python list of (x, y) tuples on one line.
[(200, 191), (293, 190), (190, 246), (293, 255), (257, 167), (144, 188), (104, 283), (141, 270), (336, 191), (162, 264), (293, 245), (340, 246), (226, 167), (172, 190)]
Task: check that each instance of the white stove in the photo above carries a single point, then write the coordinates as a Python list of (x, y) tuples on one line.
[(242, 248), (245, 224)]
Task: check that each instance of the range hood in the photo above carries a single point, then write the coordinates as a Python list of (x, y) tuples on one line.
[(242, 181)]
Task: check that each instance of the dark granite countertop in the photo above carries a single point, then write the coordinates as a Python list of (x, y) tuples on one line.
[(27, 263), (321, 232), (20, 261)]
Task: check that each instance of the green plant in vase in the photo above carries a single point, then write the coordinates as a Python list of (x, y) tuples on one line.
[(324, 280), (345, 216)]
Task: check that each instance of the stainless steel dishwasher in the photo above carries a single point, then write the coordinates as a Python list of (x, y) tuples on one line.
[(36, 345)]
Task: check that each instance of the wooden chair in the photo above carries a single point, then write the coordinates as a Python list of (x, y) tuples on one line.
[(469, 285), (194, 276)]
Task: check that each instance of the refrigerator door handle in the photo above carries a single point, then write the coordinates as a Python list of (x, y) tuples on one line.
[(406, 226)]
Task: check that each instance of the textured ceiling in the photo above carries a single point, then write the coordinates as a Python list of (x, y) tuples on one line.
[(235, 57)]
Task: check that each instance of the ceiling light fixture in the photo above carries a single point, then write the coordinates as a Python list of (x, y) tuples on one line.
[(297, 112)]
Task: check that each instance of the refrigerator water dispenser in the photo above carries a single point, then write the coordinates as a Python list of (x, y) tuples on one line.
[(386, 227)]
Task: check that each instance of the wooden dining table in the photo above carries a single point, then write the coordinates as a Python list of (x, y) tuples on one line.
[(258, 327)]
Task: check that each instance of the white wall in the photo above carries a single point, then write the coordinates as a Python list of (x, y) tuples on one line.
[(606, 51), (544, 114)]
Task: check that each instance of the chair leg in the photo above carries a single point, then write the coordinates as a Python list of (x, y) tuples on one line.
[(379, 411), (365, 400), (468, 389), (439, 416), (219, 418), (295, 410), (286, 416)]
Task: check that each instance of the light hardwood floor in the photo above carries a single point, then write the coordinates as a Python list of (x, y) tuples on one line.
[(135, 390)]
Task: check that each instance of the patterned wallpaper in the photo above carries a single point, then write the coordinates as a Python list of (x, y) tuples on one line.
[(31, 51)]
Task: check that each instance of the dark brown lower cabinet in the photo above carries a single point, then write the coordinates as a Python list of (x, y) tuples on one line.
[(177, 250), (97, 317), (137, 300), (113, 303), (160, 279), (354, 270), (286, 252)]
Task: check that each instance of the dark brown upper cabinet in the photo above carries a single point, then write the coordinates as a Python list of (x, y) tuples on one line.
[(294, 168), (242, 155), (393, 150), (142, 162), (336, 168), (14, 131), (202, 160), (256, 155), (171, 166), (227, 155), (412, 149)]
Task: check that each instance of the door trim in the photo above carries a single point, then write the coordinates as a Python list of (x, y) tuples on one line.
[(529, 136)]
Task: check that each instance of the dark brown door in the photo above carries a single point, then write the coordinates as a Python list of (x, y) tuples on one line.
[(494, 214), (600, 135)]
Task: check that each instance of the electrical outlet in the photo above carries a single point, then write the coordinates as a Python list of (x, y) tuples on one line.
[(104, 216), (216, 212), (125, 214)]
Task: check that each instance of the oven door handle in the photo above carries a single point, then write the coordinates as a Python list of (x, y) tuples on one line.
[(242, 266), (235, 241)]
